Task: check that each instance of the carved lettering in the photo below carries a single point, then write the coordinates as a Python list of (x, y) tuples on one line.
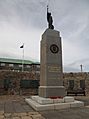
[(54, 69)]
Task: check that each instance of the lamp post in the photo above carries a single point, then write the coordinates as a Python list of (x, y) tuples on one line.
[(22, 57), (81, 66)]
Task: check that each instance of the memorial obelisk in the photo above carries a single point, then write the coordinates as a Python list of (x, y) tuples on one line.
[(51, 72)]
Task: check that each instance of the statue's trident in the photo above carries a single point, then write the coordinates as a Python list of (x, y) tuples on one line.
[(47, 8), (49, 19)]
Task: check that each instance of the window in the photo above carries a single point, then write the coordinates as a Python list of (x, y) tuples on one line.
[(37, 72), (2, 64), (38, 66), (20, 65), (11, 65), (28, 66)]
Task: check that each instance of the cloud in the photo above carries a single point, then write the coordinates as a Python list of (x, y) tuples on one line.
[(13, 36)]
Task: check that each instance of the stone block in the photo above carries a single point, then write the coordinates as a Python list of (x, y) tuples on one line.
[(51, 91), (42, 100), (77, 104), (39, 107), (32, 103), (37, 117), (87, 106), (32, 113), (22, 114), (7, 115), (15, 118), (61, 106), (15, 114), (1, 116), (68, 99), (34, 97), (26, 117), (1, 112)]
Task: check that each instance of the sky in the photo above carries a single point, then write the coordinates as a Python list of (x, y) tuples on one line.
[(24, 21)]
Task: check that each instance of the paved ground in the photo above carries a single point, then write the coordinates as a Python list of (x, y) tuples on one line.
[(74, 113), (14, 107)]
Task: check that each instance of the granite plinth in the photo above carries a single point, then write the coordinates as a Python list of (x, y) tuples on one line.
[(40, 103), (68, 99), (51, 91), (51, 70)]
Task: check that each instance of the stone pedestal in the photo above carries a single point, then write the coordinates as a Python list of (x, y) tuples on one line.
[(51, 73), (40, 104)]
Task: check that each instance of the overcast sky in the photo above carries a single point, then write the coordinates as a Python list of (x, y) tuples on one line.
[(24, 21)]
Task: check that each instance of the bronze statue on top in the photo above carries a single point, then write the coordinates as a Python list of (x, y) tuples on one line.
[(49, 19)]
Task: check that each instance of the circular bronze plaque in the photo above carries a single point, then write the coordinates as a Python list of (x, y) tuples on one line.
[(54, 48)]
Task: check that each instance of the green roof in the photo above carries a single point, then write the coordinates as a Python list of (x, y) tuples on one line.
[(18, 61)]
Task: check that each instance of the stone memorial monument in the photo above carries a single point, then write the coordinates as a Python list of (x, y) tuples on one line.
[(51, 73), (51, 90)]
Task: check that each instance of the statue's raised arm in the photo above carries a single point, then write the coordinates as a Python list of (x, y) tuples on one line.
[(49, 19)]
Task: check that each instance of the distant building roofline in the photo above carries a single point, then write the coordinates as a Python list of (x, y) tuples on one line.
[(17, 61)]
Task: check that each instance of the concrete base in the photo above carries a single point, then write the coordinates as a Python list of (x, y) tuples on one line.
[(40, 103), (51, 91)]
